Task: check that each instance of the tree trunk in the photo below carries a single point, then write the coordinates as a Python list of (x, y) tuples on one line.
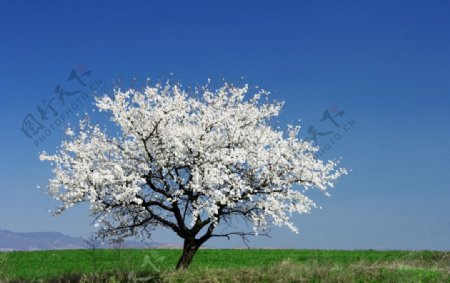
[(190, 247)]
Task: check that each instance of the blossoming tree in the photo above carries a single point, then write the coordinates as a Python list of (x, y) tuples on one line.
[(188, 162)]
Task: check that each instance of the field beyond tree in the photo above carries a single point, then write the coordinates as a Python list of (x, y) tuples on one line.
[(211, 265)]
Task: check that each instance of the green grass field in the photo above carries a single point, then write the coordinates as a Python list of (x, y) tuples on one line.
[(225, 266)]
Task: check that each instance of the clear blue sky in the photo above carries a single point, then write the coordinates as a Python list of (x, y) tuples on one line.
[(386, 64)]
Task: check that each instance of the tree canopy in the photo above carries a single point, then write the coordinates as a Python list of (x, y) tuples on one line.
[(189, 161)]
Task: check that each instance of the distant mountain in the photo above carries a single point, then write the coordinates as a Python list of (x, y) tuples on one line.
[(12, 241)]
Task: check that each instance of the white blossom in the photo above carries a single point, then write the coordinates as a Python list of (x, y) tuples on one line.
[(189, 161)]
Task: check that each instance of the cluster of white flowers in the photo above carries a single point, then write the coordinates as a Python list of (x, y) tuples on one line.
[(212, 154)]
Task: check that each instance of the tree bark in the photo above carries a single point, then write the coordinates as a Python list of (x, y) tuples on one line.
[(190, 247)]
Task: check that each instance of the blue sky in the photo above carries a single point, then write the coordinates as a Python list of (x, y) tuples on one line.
[(386, 64)]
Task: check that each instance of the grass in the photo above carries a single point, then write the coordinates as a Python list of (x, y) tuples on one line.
[(225, 266)]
